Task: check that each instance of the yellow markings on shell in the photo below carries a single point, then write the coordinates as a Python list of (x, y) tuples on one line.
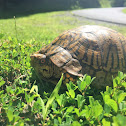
[(66, 80), (74, 81), (73, 45), (64, 35), (67, 75), (71, 79), (81, 52), (77, 36), (113, 56), (55, 40), (51, 50), (71, 39), (96, 54), (89, 54), (96, 58), (64, 43), (44, 49), (105, 50), (74, 49)]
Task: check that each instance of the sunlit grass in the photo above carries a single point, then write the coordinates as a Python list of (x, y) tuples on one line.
[(44, 27), (105, 3), (41, 27), (124, 10)]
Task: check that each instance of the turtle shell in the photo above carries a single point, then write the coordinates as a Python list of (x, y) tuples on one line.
[(94, 50)]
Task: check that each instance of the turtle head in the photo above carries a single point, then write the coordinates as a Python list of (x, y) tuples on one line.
[(44, 67), (49, 67)]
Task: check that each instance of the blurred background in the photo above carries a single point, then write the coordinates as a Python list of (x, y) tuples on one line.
[(18, 7)]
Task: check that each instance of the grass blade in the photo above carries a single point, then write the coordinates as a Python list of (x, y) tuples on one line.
[(52, 96)]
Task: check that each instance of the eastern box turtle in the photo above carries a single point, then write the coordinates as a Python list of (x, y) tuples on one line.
[(94, 50)]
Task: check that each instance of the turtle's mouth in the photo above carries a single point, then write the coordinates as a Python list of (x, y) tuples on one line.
[(46, 71), (48, 75)]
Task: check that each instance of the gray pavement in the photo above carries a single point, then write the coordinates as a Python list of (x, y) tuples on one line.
[(111, 15)]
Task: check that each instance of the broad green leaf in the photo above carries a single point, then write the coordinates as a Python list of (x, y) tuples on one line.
[(72, 93), (68, 86), (114, 83), (54, 106), (80, 100), (95, 107), (82, 85), (59, 99), (122, 106), (77, 112), (121, 97), (106, 122), (91, 100), (119, 120), (20, 123), (92, 122), (2, 83), (56, 122), (98, 109), (107, 108), (10, 114), (120, 74), (83, 112), (70, 109), (16, 118), (75, 123), (108, 115), (106, 97), (88, 112), (88, 80), (60, 120), (113, 104), (1, 92), (16, 113), (124, 84)]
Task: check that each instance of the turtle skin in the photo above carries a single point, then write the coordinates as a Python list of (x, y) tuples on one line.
[(94, 50)]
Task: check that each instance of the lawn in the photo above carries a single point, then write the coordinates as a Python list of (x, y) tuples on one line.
[(44, 27), (24, 100), (124, 10)]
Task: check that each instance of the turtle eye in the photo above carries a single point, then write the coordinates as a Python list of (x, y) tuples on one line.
[(42, 60)]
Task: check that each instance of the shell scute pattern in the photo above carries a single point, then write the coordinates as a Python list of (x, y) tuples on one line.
[(112, 54), (95, 50)]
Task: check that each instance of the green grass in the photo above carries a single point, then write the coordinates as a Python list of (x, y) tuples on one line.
[(23, 98), (105, 3), (41, 27), (124, 10)]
